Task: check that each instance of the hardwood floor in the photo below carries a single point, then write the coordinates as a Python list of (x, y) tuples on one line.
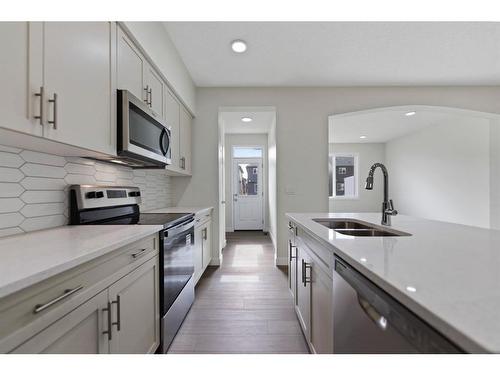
[(243, 306)]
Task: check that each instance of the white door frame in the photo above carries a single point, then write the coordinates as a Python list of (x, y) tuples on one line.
[(263, 173)]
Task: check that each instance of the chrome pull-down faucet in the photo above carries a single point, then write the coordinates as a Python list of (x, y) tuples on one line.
[(387, 205)]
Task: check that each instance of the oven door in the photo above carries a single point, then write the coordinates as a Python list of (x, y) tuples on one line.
[(177, 262), (141, 133)]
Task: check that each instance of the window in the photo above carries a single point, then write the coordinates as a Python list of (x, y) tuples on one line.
[(343, 176), (247, 152)]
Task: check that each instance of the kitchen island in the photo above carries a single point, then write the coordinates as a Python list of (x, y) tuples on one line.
[(447, 274)]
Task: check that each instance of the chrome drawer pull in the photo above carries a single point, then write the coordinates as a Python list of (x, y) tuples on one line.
[(139, 253), (54, 121), (67, 293)]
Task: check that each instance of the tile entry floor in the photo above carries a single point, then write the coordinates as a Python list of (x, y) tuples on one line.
[(243, 306)]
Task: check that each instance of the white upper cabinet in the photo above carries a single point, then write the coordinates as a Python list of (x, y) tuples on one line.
[(18, 103), (131, 66), (172, 116), (77, 63), (185, 141), (156, 90)]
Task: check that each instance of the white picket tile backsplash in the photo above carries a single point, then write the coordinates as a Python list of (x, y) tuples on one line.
[(34, 187)]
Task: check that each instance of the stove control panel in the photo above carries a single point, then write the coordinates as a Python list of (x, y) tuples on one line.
[(94, 196)]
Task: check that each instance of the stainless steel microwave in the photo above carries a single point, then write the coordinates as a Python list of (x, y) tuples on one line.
[(144, 139)]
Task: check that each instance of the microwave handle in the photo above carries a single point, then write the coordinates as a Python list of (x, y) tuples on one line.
[(163, 134)]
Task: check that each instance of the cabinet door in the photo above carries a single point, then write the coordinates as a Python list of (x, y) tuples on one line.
[(198, 251), (79, 332), (321, 312), (207, 244), (156, 91), (21, 46), (292, 269), (136, 311), (172, 115), (185, 140), (303, 307), (78, 68), (130, 66)]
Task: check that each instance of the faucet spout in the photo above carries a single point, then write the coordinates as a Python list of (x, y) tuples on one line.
[(387, 205)]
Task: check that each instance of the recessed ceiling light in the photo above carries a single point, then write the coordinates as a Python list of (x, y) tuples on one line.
[(238, 46), (411, 289), (246, 119), (363, 260), (410, 113), (362, 137)]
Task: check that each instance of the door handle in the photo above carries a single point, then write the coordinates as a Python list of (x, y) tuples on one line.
[(290, 246), (118, 318), (306, 279), (108, 331), (41, 94), (54, 121)]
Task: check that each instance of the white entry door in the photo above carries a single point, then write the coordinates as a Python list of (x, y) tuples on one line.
[(247, 194)]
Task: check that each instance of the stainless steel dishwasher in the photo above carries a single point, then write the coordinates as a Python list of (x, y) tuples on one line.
[(367, 320)]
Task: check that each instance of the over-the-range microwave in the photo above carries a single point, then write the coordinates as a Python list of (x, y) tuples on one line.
[(143, 138)]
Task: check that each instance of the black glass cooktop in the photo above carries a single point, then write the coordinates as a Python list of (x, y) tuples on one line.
[(167, 220)]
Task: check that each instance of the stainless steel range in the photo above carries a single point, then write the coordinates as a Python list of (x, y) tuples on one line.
[(112, 205)]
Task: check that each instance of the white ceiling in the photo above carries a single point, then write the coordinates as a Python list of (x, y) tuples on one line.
[(262, 121), (340, 53), (385, 124)]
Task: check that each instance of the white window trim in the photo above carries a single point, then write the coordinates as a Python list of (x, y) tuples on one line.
[(356, 175)]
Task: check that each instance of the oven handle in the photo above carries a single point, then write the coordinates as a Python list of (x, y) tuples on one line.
[(179, 228)]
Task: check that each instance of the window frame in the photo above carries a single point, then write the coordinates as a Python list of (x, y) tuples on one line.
[(333, 156)]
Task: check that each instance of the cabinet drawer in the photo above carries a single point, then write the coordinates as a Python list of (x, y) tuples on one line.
[(203, 217), (25, 313)]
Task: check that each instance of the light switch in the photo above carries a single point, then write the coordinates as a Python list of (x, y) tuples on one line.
[(290, 190)]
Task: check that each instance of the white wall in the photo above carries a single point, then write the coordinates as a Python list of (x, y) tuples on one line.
[(302, 136), (244, 140), (368, 200), (154, 39), (443, 172), (272, 197), (495, 174)]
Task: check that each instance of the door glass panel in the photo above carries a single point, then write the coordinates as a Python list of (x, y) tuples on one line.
[(247, 179), (247, 152)]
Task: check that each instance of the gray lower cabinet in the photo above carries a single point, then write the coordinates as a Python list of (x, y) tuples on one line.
[(303, 307), (136, 311), (311, 285), (108, 305), (79, 332)]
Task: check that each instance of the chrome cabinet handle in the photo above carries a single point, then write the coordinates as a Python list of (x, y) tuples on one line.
[(139, 253), (205, 233), (183, 162), (54, 121), (150, 97), (118, 318), (68, 292), (305, 279), (108, 331), (290, 246), (41, 94), (147, 94)]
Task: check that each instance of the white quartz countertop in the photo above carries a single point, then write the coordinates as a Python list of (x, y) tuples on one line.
[(27, 259), (454, 269), (179, 210)]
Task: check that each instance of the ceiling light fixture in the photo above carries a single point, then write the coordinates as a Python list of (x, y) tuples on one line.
[(410, 113), (246, 119), (239, 46), (362, 137), (411, 289)]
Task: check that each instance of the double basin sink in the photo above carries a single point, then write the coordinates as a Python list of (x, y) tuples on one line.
[(357, 228)]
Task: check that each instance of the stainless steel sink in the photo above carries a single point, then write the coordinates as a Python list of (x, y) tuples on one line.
[(358, 228)]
